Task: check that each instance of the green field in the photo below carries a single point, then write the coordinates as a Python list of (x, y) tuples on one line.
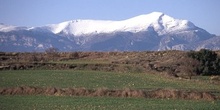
[(97, 79), (100, 103)]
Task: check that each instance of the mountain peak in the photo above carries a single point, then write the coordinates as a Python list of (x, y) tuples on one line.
[(156, 14), (156, 20), (154, 31)]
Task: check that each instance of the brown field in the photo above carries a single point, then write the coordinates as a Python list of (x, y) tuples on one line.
[(102, 92)]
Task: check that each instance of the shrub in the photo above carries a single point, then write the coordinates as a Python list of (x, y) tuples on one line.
[(75, 55), (209, 62)]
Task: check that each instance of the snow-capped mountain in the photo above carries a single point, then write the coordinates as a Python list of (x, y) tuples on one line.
[(154, 31), (159, 21)]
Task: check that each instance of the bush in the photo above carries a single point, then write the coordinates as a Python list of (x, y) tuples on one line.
[(75, 55), (209, 62)]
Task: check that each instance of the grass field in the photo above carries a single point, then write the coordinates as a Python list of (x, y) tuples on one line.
[(97, 79), (100, 103)]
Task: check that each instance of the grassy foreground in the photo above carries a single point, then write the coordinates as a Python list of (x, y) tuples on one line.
[(100, 103), (98, 79)]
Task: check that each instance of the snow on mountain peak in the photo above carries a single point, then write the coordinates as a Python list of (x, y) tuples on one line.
[(159, 21), (8, 28), (158, 31)]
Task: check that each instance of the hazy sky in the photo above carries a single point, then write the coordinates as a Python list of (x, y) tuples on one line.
[(203, 13)]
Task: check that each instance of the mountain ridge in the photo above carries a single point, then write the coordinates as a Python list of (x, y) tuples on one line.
[(135, 24), (155, 31)]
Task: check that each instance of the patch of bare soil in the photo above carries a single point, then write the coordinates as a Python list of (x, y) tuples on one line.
[(180, 94), (103, 92)]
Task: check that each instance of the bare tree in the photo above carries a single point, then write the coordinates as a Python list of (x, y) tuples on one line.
[(187, 66), (52, 50), (52, 53)]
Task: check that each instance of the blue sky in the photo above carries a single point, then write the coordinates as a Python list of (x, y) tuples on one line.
[(203, 13)]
